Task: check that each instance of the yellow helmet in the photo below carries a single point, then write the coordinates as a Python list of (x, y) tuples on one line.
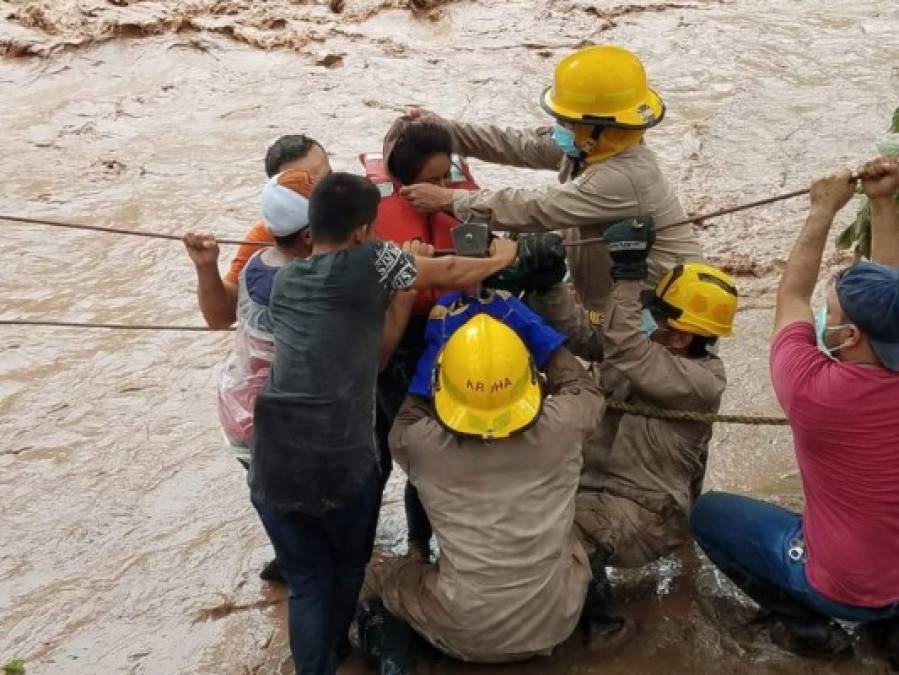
[(603, 86), (485, 381), (698, 299)]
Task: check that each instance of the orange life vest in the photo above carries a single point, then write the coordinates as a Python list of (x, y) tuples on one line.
[(398, 221)]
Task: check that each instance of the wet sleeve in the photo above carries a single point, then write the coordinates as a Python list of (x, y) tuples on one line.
[(671, 381), (573, 391), (259, 232), (795, 362), (529, 148), (395, 268), (603, 196), (413, 410), (559, 307)]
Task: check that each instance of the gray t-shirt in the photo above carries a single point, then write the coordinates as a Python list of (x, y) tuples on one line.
[(313, 445)]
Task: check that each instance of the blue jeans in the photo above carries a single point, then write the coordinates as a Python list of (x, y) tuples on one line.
[(323, 560), (759, 547)]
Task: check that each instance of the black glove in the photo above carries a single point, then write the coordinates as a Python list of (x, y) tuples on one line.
[(512, 278), (543, 258), (629, 243)]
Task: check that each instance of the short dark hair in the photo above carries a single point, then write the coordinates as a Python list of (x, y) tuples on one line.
[(415, 145), (340, 203), (287, 149)]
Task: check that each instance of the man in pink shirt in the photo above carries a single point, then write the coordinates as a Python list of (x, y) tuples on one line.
[(836, 375)]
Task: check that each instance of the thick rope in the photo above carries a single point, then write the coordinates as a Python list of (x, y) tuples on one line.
[(118, 230), (692, 416), (238, 242), (113, 326), (707, 216), (613, 404)]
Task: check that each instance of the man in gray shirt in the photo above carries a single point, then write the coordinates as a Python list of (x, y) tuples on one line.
[(314, 476)]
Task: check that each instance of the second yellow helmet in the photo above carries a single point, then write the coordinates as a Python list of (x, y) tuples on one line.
[(699, 299)]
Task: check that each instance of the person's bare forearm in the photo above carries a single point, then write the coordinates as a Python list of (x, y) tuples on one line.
[(885, 231), (218, 300), (397, 320), (464, 272), (801, 272), (457, 271)]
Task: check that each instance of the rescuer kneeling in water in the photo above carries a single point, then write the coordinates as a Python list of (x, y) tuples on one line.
[(496, 456), (422, 152), (642, 474), (836, 375), (413, 152)]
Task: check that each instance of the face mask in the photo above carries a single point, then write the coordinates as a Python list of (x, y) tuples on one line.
[(821, 329), (649, 323), (564, 138)]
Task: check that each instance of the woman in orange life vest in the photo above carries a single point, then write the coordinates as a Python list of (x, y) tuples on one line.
[(414, 152)]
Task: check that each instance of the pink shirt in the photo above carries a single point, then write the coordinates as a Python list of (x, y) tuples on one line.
[(845, 421)]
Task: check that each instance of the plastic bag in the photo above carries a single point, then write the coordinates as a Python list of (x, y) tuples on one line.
[(246, 369)]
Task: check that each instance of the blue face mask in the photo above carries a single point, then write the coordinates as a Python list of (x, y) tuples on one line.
[(821, 329), (564, 138), (649, 323)]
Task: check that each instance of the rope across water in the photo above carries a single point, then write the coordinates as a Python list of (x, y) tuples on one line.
[(613, 404)]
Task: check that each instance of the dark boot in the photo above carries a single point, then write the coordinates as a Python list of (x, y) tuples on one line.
[(271, 572), (792, 624), (816, 637), (884, 636), (386, 642), (600, 625)]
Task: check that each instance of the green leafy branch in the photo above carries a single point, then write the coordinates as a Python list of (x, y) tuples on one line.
[(857, 237)]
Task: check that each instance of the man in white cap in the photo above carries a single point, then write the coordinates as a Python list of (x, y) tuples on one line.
[(285, 212)]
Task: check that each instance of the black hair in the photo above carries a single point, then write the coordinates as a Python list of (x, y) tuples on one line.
[(288, 149), (699, 346), (415, 145), (341, 203), (289, 240)]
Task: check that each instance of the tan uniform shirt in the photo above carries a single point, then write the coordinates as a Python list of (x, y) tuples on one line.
[(625, 185), (641, 474), (511, 578)]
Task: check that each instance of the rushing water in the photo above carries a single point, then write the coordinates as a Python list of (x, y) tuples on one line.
[(128, 543)]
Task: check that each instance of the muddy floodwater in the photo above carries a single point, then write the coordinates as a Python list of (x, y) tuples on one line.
[(128, 543)]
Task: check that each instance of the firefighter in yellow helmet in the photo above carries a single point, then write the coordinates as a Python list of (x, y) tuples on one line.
[(602, 105), (642, 474), (496, 457)]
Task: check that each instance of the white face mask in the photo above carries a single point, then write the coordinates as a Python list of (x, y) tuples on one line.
[(821, 329)]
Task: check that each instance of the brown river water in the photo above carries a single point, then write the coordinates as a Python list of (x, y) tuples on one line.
[(128, 544)]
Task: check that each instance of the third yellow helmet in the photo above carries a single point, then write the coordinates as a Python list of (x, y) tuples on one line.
[(603, 86), (698, 299)]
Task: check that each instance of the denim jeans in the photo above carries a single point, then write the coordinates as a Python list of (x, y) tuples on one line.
[(759, 547), (323, 560)]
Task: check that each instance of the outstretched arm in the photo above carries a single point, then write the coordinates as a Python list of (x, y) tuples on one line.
[(828, 195), (458, 272), (530, 148)]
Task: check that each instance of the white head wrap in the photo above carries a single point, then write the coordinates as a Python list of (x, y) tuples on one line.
[(283, 210)]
